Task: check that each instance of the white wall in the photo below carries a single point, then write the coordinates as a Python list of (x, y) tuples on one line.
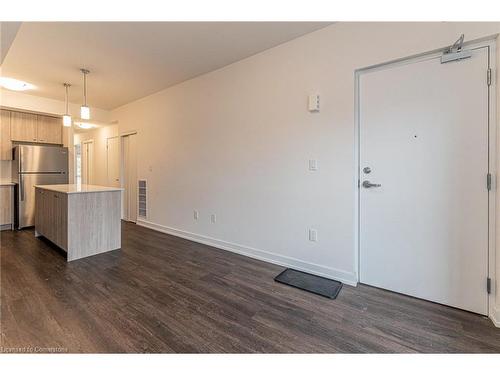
[(495, 315), (236, 142)]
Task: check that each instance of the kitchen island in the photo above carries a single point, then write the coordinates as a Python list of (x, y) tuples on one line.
[(83, 220)]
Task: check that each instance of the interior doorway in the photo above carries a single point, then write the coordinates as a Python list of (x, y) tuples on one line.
[(78, 163), (424, 167), (129, 176)]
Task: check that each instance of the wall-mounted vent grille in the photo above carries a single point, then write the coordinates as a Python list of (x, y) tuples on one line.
[(143, 198)]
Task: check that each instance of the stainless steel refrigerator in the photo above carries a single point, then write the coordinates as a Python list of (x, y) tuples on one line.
[(35, 165)]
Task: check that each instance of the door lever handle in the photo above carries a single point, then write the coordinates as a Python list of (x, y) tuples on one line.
[(367, 184)]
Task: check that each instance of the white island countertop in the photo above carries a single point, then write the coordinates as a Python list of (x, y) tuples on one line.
[(78, 188)]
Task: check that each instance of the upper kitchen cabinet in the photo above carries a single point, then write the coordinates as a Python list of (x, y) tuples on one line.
[(23, 127), (27, 127), (49, 130), (5, 142)]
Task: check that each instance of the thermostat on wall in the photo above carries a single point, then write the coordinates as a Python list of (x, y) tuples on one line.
[(313, 104)]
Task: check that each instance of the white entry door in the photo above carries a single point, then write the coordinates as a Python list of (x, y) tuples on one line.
[(424, 139), (113, 161)]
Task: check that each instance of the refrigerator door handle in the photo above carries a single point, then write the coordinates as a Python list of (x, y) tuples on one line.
[(20, 161), (21, 187)]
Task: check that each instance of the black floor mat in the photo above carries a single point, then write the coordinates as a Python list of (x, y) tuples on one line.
[(310, 283)]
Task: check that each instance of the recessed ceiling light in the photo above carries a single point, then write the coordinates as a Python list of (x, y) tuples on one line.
[(15, 84), (85, 125)]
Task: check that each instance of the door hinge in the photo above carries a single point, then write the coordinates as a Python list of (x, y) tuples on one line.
[(488, 285), (488, 181), (488, 76)]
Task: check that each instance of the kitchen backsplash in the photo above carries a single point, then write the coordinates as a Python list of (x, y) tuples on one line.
[(5, 170)]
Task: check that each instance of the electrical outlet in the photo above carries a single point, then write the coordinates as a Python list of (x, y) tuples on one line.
[(213, 218), (313, 103), (196, 214), (313, 235)]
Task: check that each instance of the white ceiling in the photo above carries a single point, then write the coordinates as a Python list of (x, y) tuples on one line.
[(130, 60)]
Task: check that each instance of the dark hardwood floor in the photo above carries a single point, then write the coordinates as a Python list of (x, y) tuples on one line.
[(160, 293)]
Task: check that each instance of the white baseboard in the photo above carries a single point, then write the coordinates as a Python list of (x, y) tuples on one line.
[(495, 316), (348, 278)]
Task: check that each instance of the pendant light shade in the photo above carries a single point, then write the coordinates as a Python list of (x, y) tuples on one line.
[(84, 109), (67, 120), (66, 116), (85, 112)]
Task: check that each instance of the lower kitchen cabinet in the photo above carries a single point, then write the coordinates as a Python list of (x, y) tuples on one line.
[(83, 220), (51, 216), (6, 207)]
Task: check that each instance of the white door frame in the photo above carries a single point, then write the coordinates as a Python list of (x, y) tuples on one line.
[(492, 154), (75, 161), (90, 166), (122, 173)]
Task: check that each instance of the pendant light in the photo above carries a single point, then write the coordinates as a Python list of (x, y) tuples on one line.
[(67, 116), (84, 109)]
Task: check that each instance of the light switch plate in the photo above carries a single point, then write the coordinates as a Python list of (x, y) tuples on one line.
[(313, 235), (313, 165)]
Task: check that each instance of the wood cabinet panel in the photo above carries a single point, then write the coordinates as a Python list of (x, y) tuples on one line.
[(94, 224), (51, 216), (61, 220), (5, 205), (49, 130), (23, 127), (5, 138), (27, 127), (39, 209)]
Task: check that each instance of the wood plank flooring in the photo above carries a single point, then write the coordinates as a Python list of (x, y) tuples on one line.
[(164, 294)]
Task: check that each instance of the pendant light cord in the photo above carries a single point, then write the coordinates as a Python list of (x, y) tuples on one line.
[(85, 72), (66, 98), (85, 88), (67, 86)]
